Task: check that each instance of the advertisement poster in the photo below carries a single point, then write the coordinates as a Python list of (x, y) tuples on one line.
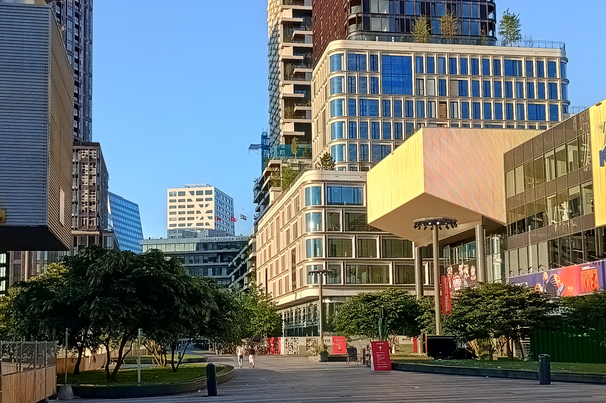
[(567, 281), (339, 345), (381, 361), (273, 346), (458, 276)]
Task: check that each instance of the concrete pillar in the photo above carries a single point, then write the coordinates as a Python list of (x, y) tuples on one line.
[(436, 280), (418, 271), (481, 253)]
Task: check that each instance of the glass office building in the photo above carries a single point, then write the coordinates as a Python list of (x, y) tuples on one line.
[(125, 220)]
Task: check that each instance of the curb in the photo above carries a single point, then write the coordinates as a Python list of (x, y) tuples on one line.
[(130, 392), (499, 373)]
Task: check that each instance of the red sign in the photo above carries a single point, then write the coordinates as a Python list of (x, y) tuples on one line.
[(381, 361), (445, 295), (339, 345), (273, 345)]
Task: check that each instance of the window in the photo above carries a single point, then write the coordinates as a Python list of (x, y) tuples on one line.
[(530, 90), (404, 274), (365, 274), (487, 93), (369, 107), (529, 68), (563, 70), (338, 152), (313, 222), (452, 68), (336, 62), (463, 88), (496, 67), (396, 248), (587, 197), (410, 129), (313, 278), (431, 109), (510, 184), (333, 221), (356, 222), (487, 111), (553, 91), (353, 130), (386, 131), (375, 130), (410, 113), (441, 65), (397, 75), (508, 89), (420, 109), (509, 112), (475, 88), (356, 62), (536, 112), (564, 91), (374, 85), (397, 108), (398, 131), (541, 91), (431, 65), (336, 85), (363, 85), (336, 130), (386, 108), (552, 71), (454, 110), (560, 161), (340, 248), (519, 90), (463, 62), (334, 277), (313, 248), (313, 196), (351, 84), (442, 88), (363, 130), (344, 196), (540, 69), (420, 87), (476, 111), (353, 152), (181, 193), (374, 63), (367, 248), (336, 108), (485, 67), (364, 152), (513, 68), (574, 202), (497, 89), (380, 151), (498, 111), (464, 110), (475, 67), (351, 107), (419, 64), (554, 113), (520, 112)]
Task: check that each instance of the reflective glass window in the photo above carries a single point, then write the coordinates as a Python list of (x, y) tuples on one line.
[(552, 69), (530, 90), (487, 111), (419, 64), (313, 248), (356, 62), (337, 130), (420, 109), (508, 89), (363, 85), (336, 108), (375, 130), (397, 75), (519, 90), (463, 88), (409, 109), (344, 196), (398, 131), (498, 93), (475, 88), (536, 112), (313, 196), (560, 161), (541, 90), (463, 64), (386, 108), (353, 152), (367, 248), (529, 68), (452, 68), (442, 88), (386, 130), (485, 67), (363, 130), (509, 112), (486, 92), (554, 113), (553, 91), (498, 111), (431, 68), (353, 129), (336, 62), (540, 68), (397, 108), (464, 110), (338, 152), (374, 63), (513, 68), (340, 248), (475, 67), (369, 107), (336, 85), (351, 107), (496, 67), (351, 84), (313, 221), (476, 111), (441, 65)]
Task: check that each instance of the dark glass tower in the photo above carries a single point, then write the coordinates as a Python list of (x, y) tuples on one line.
[(394, 20), (76, 19)]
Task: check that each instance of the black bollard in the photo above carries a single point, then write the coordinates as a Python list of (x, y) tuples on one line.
[(211, 380), (544, 369)]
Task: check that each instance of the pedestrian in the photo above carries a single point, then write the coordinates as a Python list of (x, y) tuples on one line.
[(251, 357), (240, 354)]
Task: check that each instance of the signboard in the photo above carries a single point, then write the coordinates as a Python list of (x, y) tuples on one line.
[(597, 128), (273, 346), (457, 277), (339, 345), (567, 281), (381, 361)]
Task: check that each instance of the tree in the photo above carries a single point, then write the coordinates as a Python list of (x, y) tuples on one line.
[(427, 317), (326, 162), (586, 312), (307, 153), (288, 176), (360, 315), (294, 147), (510, 28), (449, 26), (494, 310), (421, 30)]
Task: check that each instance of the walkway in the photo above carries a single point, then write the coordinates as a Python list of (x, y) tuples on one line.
[(295, 379)]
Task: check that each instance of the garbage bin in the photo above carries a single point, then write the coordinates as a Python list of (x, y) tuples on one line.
[(544, 369)]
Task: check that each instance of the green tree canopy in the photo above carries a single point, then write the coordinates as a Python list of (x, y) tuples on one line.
[(326, 162), (360, 315), (510, 28), (586, 312), (421, 30)]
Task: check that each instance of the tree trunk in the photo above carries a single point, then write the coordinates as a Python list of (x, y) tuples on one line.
[(172, 356), (109, 358), (509, 350), (182, 355), (120, 358), (77, 366)]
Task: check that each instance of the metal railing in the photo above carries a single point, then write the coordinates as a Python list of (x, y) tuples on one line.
[(24, 356)]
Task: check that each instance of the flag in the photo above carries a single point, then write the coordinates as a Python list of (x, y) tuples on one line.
[(243, 217), (233, 219), (219, 218)]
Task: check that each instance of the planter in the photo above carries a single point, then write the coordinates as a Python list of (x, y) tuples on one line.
[(323, 356)]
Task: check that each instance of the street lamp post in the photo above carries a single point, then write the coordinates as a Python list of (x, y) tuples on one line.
[(435, 224), (321, 316)]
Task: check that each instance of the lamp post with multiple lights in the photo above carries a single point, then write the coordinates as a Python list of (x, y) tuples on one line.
[(435, 224), (321, 274)]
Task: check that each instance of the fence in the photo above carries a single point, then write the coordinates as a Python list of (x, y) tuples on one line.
[(28, 371), (571, 345)]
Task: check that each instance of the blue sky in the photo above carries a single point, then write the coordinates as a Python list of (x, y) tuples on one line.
[(180, 90)]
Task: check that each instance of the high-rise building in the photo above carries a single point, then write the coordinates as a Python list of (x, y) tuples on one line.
[(76, 19), (125, 220), (290, 68), (199, 207)]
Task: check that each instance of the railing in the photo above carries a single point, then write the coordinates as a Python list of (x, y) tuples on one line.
[(27, 356), (479, 41)]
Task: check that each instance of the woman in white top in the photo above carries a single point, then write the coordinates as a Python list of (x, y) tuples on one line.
[(240, 354)]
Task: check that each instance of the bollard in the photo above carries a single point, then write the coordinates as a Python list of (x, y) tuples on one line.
[(211, 380), (544, 369)]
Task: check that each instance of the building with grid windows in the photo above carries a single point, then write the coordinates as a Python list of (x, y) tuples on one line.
[(125, 220), (369, 96), (199, 207)]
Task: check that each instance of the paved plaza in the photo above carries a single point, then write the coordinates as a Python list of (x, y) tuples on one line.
[(295, 379)]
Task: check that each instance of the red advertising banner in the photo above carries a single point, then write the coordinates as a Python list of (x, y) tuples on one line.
[(381, 361), (273, 345), (445, 295), (339, 345)]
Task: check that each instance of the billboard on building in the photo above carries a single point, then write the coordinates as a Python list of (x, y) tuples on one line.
[(567, 281), (458, 276), (598, 156)]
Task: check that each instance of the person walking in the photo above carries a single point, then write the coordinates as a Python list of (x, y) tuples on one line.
[(240, 354), (251, 357)]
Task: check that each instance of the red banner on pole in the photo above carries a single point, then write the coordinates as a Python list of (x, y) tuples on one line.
[(339, 345), (445, 295), (381, 361)]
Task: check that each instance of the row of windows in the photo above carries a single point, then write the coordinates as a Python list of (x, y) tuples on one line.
[(461, 65), (354, 222), (363, 274), (335, 195), (365, 248), (343, 152), (191, 192)]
